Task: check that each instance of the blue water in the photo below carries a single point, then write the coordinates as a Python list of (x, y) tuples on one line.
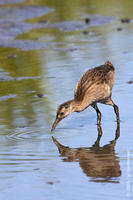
[(31, 166)]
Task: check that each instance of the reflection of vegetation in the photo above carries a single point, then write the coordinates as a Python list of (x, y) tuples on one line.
[(36, 63), (20, 109), (69, 10)]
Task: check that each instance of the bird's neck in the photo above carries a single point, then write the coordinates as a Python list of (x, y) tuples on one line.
[(76, 106)]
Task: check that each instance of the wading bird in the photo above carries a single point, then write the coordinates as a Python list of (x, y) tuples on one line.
[(94, 86)]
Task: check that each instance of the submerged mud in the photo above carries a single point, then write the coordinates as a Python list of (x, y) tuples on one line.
[(94, 20), (12, 24), (10, 1)]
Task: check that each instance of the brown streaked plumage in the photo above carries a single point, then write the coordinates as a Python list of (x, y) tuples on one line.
[(95, 86)]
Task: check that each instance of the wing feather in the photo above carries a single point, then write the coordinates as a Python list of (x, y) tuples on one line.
[(95, 84)]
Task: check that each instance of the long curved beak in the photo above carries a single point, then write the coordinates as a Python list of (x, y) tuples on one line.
[(55, 124)]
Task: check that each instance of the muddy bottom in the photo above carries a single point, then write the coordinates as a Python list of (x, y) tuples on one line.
[(44, 49), (12, 24)]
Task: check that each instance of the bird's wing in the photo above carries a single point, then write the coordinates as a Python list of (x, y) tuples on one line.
[(92, 84)]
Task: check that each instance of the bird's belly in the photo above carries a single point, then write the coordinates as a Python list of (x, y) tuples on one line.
[(100, 94), (103, 101), (94, 94)]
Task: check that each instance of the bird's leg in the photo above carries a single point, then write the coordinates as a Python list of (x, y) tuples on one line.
[(117, 134), (116, 109), (98, 113), (99, 129)]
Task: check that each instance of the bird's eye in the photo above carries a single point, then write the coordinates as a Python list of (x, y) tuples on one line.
[(62, 113)]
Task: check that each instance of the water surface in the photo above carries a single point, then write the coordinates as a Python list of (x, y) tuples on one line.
[(43, 52)]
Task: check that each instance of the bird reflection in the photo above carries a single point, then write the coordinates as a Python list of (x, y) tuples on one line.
[(99, 163)]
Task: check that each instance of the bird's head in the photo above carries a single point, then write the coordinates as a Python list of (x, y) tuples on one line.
[(63, 110)]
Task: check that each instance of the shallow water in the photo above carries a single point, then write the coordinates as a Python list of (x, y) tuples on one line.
[(42, 57)]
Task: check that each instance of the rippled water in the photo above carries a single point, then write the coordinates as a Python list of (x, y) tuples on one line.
[(42, 59)]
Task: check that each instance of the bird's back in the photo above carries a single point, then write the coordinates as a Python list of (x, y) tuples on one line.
[(95, 84)]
